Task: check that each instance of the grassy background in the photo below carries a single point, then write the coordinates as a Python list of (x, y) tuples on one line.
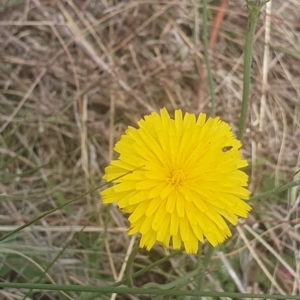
[(74, 74)]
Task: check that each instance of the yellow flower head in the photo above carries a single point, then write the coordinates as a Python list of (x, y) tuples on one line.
[(179, 178)]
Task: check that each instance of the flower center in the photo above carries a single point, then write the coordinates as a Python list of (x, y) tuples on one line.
[(177, 177)]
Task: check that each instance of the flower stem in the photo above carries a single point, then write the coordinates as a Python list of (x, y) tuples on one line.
[(254, 7), (203, 263), (206, 58), (129, 264)]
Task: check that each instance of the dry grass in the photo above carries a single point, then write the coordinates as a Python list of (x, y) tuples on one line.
[(74, 74)]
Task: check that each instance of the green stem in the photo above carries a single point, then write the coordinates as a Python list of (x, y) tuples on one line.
[(139, 291), (129, 264), (206, 58), (204, 262), (254, 7), (277, 190), (200, 267)]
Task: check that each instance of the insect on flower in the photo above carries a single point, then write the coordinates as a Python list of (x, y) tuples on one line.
[(227, 148)]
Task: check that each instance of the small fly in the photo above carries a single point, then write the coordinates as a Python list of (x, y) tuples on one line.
[(227, 148)]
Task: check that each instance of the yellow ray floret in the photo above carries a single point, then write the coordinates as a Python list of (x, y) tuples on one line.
[(181, 180)]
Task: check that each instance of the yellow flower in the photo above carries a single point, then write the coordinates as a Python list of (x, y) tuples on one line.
[(179, 178)]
